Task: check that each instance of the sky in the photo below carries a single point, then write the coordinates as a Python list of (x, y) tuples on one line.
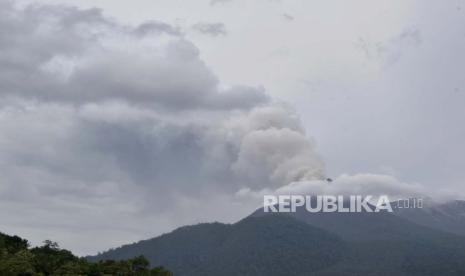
[(122, 120)]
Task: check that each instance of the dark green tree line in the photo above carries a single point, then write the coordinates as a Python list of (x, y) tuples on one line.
[(18, 259)]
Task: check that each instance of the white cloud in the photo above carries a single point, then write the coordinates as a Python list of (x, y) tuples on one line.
[(346, 185)]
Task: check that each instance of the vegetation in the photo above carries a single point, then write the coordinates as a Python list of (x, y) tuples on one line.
[(317, 244), (268, 245), (301, 243), (17, 258)]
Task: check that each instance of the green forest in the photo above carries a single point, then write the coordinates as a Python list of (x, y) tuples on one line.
[(17, 257)]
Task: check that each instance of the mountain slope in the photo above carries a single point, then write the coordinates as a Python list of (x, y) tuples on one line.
[(386, 244), (269, 245), (304, 243), (448, 217)]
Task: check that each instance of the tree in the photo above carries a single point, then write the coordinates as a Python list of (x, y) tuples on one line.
[(160, 271), (13, 244), (49, 259), (21, 263), (140, 265)]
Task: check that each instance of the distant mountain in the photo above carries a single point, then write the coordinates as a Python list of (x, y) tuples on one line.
[(304, 243), (448, 217), (387, 244), (368, 226), (270, 245)]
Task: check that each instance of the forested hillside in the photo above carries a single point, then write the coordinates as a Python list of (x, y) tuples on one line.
[(304, 244), (18, 258)]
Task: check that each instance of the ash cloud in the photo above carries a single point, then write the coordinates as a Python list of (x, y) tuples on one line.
[(107, 124), (123, 132)]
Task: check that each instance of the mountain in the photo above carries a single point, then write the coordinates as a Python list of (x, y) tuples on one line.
[(269, 245), (368, 226), (304, 243), (387, 244), (448, 217)]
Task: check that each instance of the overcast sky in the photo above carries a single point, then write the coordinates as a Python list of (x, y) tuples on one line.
[(126, 121)]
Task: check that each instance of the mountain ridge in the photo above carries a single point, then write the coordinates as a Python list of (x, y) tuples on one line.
[(304, 243)]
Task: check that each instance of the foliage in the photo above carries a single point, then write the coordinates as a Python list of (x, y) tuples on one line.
[(271, 245), (326, 244), (16, 258)]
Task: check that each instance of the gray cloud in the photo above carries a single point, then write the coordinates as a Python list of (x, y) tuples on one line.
[(110, 133), (391, 50), (107, 124), (214, 2), (75, 55), (211, 29), (288, 17), (156, 27)]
